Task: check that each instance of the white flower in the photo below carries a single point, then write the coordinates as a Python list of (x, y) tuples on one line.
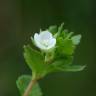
[(44, 40)]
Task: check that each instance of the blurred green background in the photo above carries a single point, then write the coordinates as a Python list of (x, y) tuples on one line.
[(19, 19)]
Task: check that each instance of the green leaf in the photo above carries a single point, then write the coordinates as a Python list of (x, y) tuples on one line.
[(65, 61), (68, 47), (69, 35), (65, 47), (72, 68), (22, 84), (65, 65), (64, 33), (53, 29), (34, 60), (76, 39), (60, 28)]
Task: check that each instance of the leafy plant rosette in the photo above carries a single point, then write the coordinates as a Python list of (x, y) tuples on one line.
[(53, 53)]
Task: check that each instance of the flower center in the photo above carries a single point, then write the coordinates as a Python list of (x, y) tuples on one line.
[(45, 42)]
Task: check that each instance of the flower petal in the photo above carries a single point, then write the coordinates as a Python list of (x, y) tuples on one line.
[(52, 43), (39, 45), (36, 37), (45, 35)]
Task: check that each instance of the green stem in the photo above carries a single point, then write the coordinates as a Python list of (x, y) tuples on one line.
[(29, 88)]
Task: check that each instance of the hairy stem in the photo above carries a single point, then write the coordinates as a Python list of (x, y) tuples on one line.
[(29, 88)]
